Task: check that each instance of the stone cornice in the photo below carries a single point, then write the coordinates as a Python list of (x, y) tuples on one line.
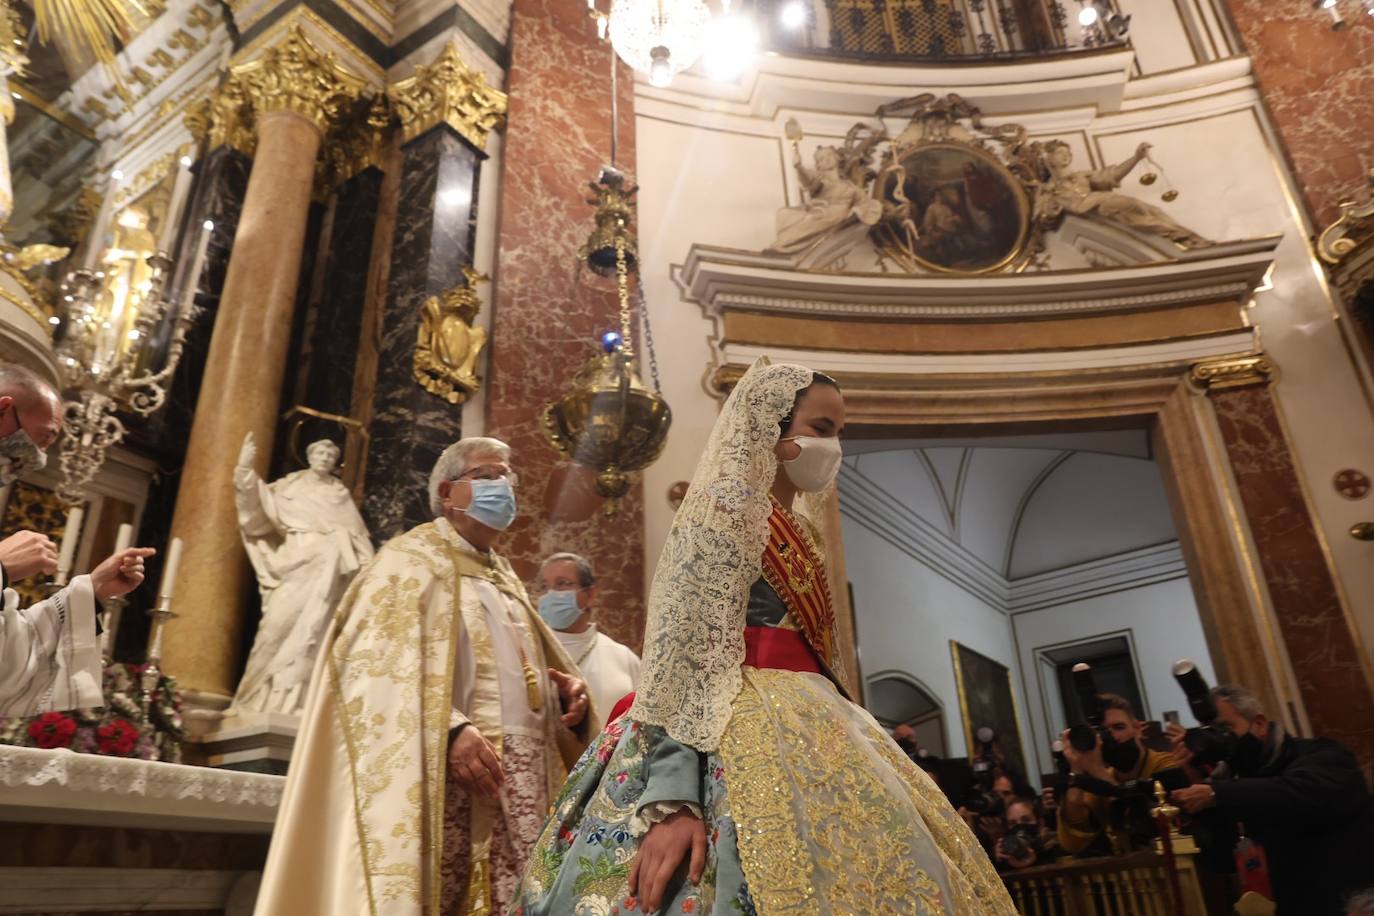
[(448, 92), (721, 279)]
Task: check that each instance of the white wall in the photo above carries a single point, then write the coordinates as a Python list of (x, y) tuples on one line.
[(1163, 626), (907, 614)]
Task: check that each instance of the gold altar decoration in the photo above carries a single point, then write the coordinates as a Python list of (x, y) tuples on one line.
[(609, 421), (296, 76), (1233, 372), (1354, 227), (450, 92), (447, 345), (94, 25), (354, 143), (292, 75)]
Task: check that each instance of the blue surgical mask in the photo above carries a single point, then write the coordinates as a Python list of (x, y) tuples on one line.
[(493, 503), (559, 609)]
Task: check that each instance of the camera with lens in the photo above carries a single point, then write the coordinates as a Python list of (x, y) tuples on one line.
[(982, 800), (1022, 840), (1210, 743), (1084, 736)]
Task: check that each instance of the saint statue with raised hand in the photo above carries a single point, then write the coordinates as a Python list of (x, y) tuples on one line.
[(306, 542)]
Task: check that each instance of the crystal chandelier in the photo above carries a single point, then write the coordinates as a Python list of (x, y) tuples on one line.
[(660, 38), (107, 353)]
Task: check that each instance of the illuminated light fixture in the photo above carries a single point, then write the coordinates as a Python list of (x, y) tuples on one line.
[(660, 38), (1087, 16), (186, 162), (117, 175), (793, 15), (732, 44)]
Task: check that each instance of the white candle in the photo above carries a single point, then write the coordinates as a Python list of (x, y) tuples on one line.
[(70, 536), (180, 188), (125, 539), (188, 292), (95, 237), (169, 572)]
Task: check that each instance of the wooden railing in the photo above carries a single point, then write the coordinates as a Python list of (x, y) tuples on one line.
[(1132, 885)]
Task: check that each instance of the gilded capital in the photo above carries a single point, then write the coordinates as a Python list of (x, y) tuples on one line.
[(448, 92), (296, 76), (224, 118), (1233, 372)]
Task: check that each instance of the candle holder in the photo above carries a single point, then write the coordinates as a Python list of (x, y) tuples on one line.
[(114, 610), (111, 354), (152, 671)]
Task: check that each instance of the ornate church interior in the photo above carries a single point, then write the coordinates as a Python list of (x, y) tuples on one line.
[(1094, 278)]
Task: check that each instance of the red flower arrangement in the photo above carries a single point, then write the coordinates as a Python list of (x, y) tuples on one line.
[(52, 729), (117, 738)]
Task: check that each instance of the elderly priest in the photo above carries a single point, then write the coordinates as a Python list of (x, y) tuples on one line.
[(438, 727), (49, 657)]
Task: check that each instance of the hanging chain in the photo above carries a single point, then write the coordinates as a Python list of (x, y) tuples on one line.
[(648, 335), (622, 280)]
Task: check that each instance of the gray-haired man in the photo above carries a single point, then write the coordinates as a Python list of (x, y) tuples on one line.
[(569, 593)]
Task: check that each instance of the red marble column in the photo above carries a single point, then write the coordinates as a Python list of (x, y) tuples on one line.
[(1319, 86), (547, 313), (1312, 622)]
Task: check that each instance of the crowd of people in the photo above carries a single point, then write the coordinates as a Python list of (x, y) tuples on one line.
[(1291, 819)]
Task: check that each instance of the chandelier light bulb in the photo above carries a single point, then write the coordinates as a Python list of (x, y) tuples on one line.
[(208, 225), (660, 70), (1327, 4), (794, 15), (117, 175), (1087, 16), (186, 162), (601, 23)]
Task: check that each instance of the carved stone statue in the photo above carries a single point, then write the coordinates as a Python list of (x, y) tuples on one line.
[(834, 201), (306, 541), (1092, 194), (447, 345)]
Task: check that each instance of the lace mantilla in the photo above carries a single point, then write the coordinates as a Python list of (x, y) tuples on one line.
[(694, 636)]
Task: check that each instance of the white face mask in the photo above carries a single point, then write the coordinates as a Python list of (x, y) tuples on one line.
[(816, 466)]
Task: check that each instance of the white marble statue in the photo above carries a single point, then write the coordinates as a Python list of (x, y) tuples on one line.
[(833, 203), (306, 541), (1092, 194)]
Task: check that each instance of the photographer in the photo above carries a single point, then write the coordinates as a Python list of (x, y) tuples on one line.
[(1027, 841), (1303, 799), (1085, 816)]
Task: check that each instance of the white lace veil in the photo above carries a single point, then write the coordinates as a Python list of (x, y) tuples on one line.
[(694, 637)]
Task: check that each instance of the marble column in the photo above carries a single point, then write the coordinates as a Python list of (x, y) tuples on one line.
[(433, 239), (548, 313), (221, 180), (1313, 619), (426, 213), (294, 90)]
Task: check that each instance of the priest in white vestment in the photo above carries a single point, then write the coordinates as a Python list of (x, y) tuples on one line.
[(49, 654), (569, 596), (442, 718)]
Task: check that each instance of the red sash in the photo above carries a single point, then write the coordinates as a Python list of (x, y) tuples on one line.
[(774, 647), (795, 570)]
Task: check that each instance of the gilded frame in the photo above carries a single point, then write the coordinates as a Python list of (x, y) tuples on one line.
[(964, 658)]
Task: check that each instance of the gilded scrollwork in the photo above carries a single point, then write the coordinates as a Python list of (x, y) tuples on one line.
[(447, 345), (448, 92), (1233, 372), (1354, 227), (296, 76)]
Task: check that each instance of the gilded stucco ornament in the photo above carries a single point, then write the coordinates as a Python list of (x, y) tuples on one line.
[(1233, 372), (448, 92), (298, 77), (447, 345), (1354, 227)]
